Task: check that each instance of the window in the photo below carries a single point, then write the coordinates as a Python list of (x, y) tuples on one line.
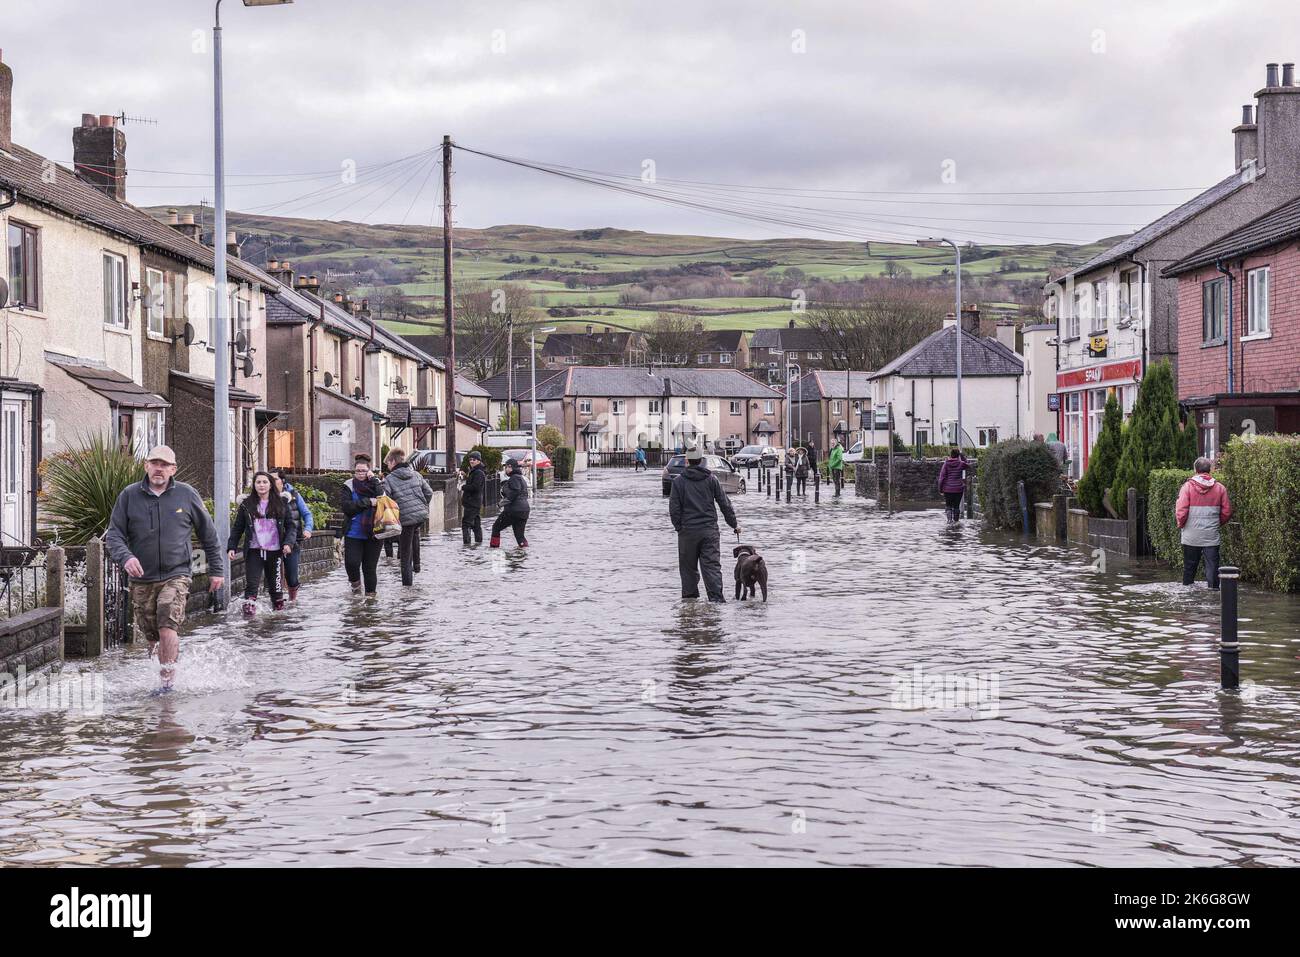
[(703, 359), (814, 355), (114, 291), (148, 431), (1102, 312), (837, 407), (1096, 415), (584, 406), (154, 301), (212, 319), (1074, 431), (1257, 302), (1209, 433), (769, 406), (571, 360), (724, 358), (616, 406), (734, 407), (24, 266), (1130, 295), (987, 437), (683, 406), (1213, 310), (336, 350), (620, 443), (922, 437), (241, 322), (656, 406), (702, 407)]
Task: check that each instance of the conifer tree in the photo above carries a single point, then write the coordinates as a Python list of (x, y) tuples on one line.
[(1104, 460), (1153, 438)]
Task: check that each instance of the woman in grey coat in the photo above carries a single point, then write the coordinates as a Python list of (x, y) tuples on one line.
[(412, 493)]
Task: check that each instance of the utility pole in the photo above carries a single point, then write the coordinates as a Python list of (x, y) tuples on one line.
[(510, 366), (447, 308)]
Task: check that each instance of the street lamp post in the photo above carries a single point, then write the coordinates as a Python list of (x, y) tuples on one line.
[(532, 358), (789, 401), (222, 471), (932, 244)]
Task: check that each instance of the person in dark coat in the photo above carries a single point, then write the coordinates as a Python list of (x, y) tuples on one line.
[(360, 547), (801, 472), (514, 506), (412, 493), (691, 507), (384, 469), (952, 483), (471, 498)]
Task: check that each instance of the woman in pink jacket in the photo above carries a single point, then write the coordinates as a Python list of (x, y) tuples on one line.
[(1202, 508), (952, 483)]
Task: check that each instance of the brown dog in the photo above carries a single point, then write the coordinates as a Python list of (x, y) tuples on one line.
[(751, 570)]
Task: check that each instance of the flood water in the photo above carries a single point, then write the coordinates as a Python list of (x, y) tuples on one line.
[(563, 706)]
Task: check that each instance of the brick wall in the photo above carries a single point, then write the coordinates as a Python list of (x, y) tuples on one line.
[(1262, 365)]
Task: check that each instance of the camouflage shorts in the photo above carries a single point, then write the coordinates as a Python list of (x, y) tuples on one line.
[(159, 605)]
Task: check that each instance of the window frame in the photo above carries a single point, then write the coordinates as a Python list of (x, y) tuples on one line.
[(30, 245), (701, 406), (584, 407), (118, 262), (734, 407), (617, 406), (1213, 290), (1265, 329), (155, 299)]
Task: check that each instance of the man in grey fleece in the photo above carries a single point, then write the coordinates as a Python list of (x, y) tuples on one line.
[(149, 536), (690, 506)]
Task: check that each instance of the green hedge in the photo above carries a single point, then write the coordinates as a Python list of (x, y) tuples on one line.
[(1263, 479), (1002, 466), (562, 458), (1163, 486)]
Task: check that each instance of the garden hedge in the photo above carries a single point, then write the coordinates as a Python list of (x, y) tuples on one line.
[(562, 458), (1163, 486), (1005, 464), (1262, 474)]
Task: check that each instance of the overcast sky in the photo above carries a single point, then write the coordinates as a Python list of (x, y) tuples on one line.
[(884, 97)]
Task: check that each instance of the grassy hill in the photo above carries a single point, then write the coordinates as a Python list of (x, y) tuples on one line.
[(716, 279)]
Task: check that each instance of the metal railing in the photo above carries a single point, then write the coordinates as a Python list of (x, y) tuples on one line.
[(654, 458)]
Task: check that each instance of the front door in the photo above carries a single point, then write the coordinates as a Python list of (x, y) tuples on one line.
[(13, 481), (336, 444)]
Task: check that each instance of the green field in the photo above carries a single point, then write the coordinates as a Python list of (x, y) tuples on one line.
[(410, 259)]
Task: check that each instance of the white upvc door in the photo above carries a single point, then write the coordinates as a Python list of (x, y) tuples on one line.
[(336, 444), (13, 462)]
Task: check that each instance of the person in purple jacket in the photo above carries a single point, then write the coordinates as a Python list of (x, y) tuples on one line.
[(952, 483)]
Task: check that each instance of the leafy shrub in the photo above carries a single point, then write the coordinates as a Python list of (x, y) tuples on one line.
[(1002, 466), (549, 438), (1262, 475), (80, 487), (1154, 439), (1103, 461), (562, 458), (491, 458), (1162, 528), (318, 503)]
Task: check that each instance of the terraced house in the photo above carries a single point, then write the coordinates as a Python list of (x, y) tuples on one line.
[(107, 323), (619, 409), (1119, 311)]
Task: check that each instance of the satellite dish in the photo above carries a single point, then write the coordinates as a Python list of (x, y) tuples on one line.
[(248, 367), (356, 393), (398, 382), (188, 334), (4, 293), (329, 379), (241, 342)]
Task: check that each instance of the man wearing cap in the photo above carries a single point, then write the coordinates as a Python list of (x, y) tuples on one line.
[(471, 498), (149, 536), (691, 508)]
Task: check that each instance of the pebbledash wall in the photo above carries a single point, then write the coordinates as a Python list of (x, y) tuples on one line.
[(31, 640)]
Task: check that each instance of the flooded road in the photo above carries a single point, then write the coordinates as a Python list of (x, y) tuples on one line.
[(910, 695)]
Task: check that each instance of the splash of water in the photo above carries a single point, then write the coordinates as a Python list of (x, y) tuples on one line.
[(204, 667)]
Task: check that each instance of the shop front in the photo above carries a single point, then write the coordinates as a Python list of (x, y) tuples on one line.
[(1082, 396)]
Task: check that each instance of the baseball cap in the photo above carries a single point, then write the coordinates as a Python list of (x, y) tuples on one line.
[(161, 453)]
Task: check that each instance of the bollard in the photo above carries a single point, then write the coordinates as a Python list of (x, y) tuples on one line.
[(817, 487), (1024, 505), (1229, 668), (789, 487)]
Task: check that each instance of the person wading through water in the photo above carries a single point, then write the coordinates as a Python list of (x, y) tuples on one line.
[(360, 547), (412, 494), (268, 524), (1202, 507), (306, 525), (837, 466), (691, 507), (952, 483), (514, 506), (149, 536), (471, 499)]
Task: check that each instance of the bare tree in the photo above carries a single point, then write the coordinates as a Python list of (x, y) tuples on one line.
[(879, 323), (483, 314), (674, 337)]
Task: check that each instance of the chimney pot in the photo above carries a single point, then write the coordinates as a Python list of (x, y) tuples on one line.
[(107, 120), (89, 119), (272, 265), (1288, 74), (187, 219), (173, 217), (1270, 75), (1247, 114)]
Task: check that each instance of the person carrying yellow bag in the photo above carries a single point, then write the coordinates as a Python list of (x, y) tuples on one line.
[(388, 521)]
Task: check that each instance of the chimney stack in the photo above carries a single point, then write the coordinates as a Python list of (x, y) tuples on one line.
[(99, 155), (186, 226), (1277, 122), (970, 319), (232, 245), (281, 272), (1246, 138), (6, 104)]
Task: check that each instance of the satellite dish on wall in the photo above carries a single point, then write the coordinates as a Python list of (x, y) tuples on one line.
[(247, 367), (4, 293), (398, 382), (356, 393), (329, 379), (241, 342), (188, 334)]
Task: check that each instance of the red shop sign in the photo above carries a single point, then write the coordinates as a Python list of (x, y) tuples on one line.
[(1131, 369)]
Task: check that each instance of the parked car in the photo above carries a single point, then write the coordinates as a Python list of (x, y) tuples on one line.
[(428, 460), (755, 456), (524, 457), (730, 478), (854, 454)]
